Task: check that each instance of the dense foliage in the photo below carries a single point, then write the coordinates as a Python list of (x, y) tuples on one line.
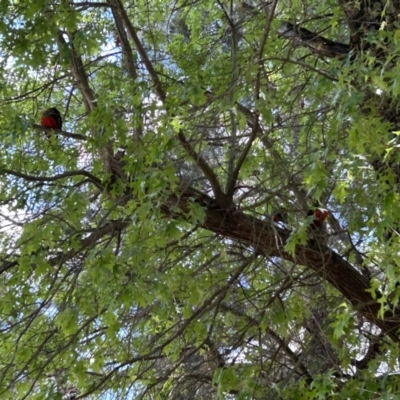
[(139, 257)]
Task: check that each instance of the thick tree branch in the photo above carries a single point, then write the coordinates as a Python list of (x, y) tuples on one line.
[(262, 237)]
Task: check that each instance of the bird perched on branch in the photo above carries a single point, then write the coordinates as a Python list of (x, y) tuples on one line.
[(51, 118), (279, 218), (319, 216)]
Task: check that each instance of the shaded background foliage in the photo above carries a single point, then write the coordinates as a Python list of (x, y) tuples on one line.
[(138, 254)]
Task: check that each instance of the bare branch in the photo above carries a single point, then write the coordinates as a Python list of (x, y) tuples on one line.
[(67, 174), (76, 136)]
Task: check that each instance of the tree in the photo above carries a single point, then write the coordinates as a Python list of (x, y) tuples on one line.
[(139, 258)]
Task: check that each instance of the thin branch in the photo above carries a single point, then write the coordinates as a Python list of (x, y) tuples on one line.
[(305, 65), (67, 174), (261, 48), (230, 22), (76, 136), (86, 4), (110, 227), (243, 155), (128, 59), (255, 322), (207, 170), (214, 298)]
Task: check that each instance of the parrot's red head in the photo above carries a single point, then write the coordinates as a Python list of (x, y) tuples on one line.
[(320, 214)]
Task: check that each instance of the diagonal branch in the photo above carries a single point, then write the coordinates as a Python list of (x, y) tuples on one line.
[(88, 242), (319, 45), (78, 72), (260, 52), (220, 196), (123, 39), (207, 170), (305, 65), (142, 52), (240, 161), (262, 237), (243, 155), (107, 229), (105, 152), (302, 369), (128, 59), (269, 145)]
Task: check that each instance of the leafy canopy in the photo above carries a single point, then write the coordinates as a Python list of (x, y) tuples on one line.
[(139, 258)]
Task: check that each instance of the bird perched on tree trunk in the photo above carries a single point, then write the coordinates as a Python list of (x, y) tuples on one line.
[(51, 118), (319, 216)]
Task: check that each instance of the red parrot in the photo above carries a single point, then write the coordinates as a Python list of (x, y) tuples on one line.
[(319, 216), (51, 118), (279, 219)]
